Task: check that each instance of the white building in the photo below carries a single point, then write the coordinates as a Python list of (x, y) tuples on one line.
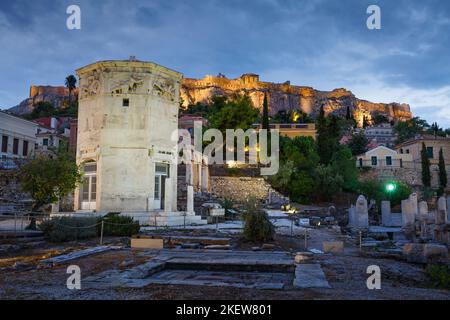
[(18, 136), (383, 134), (383, 158), (128, 111)]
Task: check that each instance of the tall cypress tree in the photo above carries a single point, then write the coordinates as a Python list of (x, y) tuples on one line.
[(348, 115), (365, 122), (265, 116), (426, 174), (322, 136), (327, 136), (442, 171)]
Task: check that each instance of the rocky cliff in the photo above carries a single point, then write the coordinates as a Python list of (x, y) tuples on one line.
[(284, 96), (54, 95)]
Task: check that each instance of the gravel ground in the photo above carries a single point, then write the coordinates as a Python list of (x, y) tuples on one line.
[(346, 274)]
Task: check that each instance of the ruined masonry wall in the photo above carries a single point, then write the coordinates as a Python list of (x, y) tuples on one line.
[(240, 188)]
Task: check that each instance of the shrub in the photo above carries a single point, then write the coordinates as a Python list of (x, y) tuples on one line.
[(257, 226), (228, 205), (374, 189), (439, 276), (120, 226), (69, 229)]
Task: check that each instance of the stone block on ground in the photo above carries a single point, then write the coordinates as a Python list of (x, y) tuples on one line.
[(268, 246), (302, 258), (435, 252), (144, 243), (333, 246), (218, 247), (413, 252)]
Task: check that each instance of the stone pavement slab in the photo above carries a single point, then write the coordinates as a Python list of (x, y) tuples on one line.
[(310, 276)]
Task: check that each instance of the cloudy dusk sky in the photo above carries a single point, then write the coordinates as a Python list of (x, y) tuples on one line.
[(320, 43)]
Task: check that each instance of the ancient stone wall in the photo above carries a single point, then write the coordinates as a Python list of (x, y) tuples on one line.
[(412, 177), (240, 188)]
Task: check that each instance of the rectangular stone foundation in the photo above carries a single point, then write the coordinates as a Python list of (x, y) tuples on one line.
[(166, 219)]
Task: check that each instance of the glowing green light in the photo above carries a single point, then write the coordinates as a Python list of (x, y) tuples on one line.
[(390, 187)]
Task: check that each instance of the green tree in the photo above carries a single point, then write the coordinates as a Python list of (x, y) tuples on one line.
[(42, 109), (380, 119), (344, 163), (328, 182), (47, 179), (436, 130), (257, 225), (442, 171), (265, 115), (348, 115), (328, 134), (426, 174), (406, 130), (292, 116), (235, 114), (365, 122), (71, 84), (376, 190), (298, 160), (358, 144)]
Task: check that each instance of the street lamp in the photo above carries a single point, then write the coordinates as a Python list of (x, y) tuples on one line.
[(390, 187)]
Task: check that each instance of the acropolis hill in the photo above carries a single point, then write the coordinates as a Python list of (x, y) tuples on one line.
[(282, 96)]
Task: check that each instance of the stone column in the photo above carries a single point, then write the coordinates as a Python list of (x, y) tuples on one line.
[(351, 216), (189, 174), (205, 178), (199, 180), (168, 194), (55, 207), (414, 205), (408, 219), (359, 216), (423, 211), (441, 214), (190, 199), (408, 214), (386, 213), (362, 212)]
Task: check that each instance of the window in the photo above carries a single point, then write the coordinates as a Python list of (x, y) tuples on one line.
[(407, 151), (16, 146), (430, 152), (125, 102), (90, 167), (162, 168), (5, 144), (25, 148), (388, 160), (401, 151), (45, 142), (374, 161)]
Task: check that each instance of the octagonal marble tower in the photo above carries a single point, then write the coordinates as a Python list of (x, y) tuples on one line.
[(127, 113)]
